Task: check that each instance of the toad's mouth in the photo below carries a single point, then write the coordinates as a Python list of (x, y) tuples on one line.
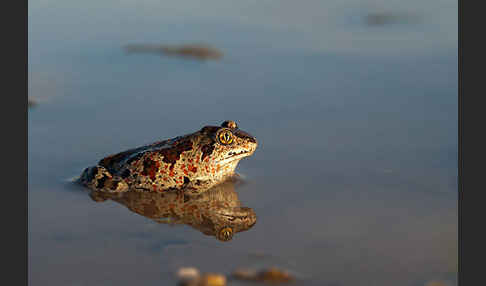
[(232, 217), (240, 213), (236, 154), (232, 156)]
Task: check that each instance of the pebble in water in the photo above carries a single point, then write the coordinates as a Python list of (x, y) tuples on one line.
[(190, 276), (272, 274), (195, 51)]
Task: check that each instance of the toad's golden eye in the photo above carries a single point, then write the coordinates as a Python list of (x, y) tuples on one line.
[(225, 234), (225, 137)]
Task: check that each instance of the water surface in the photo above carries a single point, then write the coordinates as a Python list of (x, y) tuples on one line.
[(355, 178)]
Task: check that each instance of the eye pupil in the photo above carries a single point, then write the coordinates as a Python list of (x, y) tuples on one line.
[(225, 137), (226, 234)]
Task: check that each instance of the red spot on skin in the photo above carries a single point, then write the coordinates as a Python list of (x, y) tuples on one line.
[(207, 150), (192, 168), (185, 173), (180, 177), (190, 160), (150, 168), (173, 154), (207, 169), (171, 173)]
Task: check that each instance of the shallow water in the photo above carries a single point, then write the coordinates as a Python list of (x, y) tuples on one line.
[(355, 178)]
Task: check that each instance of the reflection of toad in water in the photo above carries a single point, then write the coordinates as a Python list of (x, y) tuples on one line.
[(216, 212)]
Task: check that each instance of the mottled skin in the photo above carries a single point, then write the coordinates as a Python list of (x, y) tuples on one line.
[(193, 163), (216, 212)]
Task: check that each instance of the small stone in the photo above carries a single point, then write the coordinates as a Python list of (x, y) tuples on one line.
[(187, 273), (245, 274), (190, 276), (386, 18), (212, 279), (273, 274), (196, 51)]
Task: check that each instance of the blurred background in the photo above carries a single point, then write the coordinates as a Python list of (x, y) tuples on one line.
[(354, 104)]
